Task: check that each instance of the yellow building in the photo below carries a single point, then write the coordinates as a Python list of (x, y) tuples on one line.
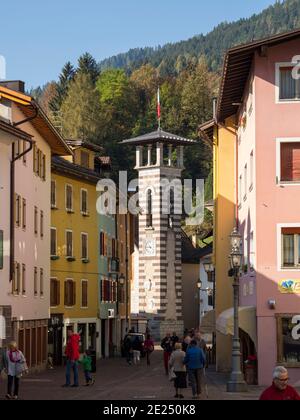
[(223, 138), (74, 249)]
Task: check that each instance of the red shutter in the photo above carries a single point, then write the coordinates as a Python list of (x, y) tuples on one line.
[(290, 162)]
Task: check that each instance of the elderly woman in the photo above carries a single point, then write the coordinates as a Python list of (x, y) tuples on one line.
[(15, 366), (177, 363)]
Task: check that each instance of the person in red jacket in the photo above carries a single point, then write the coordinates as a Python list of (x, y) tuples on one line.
[(72, 356), (280, 390)]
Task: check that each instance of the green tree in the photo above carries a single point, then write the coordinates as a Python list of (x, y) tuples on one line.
[(66, 76), (88, 65), (81, 111)]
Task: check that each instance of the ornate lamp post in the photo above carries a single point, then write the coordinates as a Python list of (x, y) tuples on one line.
[(236, 382), (199, 286), (122, 282), (210, 268)]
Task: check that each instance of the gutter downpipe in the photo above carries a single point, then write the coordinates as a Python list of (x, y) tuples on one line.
[(12, 194)]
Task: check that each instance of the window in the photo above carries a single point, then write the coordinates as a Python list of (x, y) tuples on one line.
[(42, 224), (290, 161), (53, 244), (290, 247), (149, 219), (41, 282), (240, 189), (84, 202), (113, 248), (84, 246), (53, 194), (23, 279), (35, 220), (69, 242), (24, 213), (17, 279), (35, 281), (70, 293), (69, 198), (35, 159), (102, 251), (24, 149), (245, 181), (43, 167), (108, 291), (288, 338), (18, 210), (54, 292), (84, 159), (251, 170), (84, 293), (1, 249), (289, 88)]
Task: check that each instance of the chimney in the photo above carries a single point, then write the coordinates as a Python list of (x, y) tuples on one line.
[(16, 85)]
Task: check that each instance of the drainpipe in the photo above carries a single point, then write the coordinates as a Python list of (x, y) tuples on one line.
[(12, 192)]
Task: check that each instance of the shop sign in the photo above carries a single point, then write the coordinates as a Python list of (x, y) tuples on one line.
[(289, 286), (296, 329)]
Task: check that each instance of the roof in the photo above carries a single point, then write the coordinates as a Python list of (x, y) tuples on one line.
[(10, 129), (237, 66), (159, 136), (86, 144), (31, 109), (206, 130), (72, 170), (190, 254)]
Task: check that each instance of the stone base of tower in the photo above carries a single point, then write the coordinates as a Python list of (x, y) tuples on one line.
[(159, 329)]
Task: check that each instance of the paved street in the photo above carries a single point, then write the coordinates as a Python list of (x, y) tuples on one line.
[(115, 380)]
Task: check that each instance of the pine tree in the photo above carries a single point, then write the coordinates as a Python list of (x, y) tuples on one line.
[(66, 76), (88, 65)]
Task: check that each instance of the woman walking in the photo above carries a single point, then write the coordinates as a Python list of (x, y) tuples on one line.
[(177, 363), (149, 348), (15, 365)]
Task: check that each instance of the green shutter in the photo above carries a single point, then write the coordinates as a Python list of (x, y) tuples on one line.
[(1, 249)]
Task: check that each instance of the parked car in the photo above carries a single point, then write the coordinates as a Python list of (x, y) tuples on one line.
[(132, 337)]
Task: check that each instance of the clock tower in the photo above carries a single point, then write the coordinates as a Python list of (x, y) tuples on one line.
[(159, 162)]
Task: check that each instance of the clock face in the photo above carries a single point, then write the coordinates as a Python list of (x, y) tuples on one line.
[(150, 247)]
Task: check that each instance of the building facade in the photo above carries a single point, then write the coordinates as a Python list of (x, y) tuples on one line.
[(27, 290), (264, 139)]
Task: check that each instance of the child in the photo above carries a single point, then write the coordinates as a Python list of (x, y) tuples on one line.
[(50, 361), (86, 362)]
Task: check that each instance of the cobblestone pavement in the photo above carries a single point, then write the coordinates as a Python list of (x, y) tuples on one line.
[(115, 380)]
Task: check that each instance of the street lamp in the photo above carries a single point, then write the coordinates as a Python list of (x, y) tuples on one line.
[(199, 285), (236, 382), (210, 269)]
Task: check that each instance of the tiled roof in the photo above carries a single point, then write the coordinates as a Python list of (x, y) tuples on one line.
[(71, 169), (159, 135)]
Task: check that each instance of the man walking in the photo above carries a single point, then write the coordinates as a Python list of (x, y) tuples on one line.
[(195, 363), (72, 355)]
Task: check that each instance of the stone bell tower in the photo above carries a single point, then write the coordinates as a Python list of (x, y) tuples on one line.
[(159, 162)]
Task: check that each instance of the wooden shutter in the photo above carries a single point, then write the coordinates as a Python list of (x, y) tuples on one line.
[(1, 249), (84, 298), (290, 162), (66, 293), (73, 293)]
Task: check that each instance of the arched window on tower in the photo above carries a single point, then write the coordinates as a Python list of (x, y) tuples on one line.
[(149, 209), (171, 208)]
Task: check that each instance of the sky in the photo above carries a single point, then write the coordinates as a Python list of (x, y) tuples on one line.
[(37, 38)]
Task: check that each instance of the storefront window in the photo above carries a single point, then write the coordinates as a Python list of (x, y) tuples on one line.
[(288, 332)]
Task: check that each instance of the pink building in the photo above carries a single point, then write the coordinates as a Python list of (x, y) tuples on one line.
[(25, 285), (260, 80)]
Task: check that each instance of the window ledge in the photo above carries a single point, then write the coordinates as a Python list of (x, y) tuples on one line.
[(85, 260), (85, 213), (70, 211), (289, 183), (70, 259), (54, 257), (149, 228), (54, 207)]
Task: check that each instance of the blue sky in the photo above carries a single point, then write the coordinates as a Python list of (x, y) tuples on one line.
[(37, 38)]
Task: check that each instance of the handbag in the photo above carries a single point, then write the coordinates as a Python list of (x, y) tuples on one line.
[(172, 374)]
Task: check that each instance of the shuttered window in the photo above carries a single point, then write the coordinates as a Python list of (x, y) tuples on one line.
[(289, 87), (84, 159), (35, 281), (35, 220), (53, 245), (54, 292), (41, 282), (84, 294), (290, 162), (101, 240), (70, 293), (18, 210), (84, 246), (53, 194), (23, 279), (290, 247), (24, 213), (69, 242), (84, 201), (69, 198), (42, 224)]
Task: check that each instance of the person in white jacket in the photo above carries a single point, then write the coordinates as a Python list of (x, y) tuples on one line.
[(15, 365)]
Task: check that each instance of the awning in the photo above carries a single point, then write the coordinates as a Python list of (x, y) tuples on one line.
[(247, 322), (208, 323)]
